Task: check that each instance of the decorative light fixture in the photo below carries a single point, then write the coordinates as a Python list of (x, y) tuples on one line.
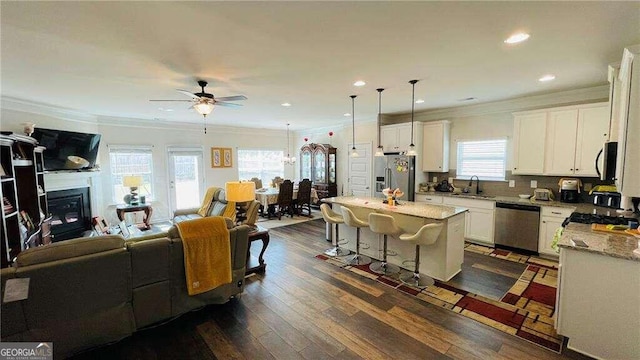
[(204, 108), (380, 150), (412, 148), (354, 152), (132, 182), (289, 160)]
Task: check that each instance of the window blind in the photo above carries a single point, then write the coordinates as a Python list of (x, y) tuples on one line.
[(486, 159)]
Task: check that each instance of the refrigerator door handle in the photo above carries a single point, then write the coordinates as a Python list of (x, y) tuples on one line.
[(387, 178)]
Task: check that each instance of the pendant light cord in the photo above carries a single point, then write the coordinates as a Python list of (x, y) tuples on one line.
[(288, 152), (380, 90), (413, 103), (353, 121)]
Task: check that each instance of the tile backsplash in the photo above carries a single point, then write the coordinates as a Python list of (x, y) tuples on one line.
[(522, 184)]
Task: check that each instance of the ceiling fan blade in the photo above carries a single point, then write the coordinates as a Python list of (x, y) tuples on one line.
[(189, 94), (227, 104), (173, 100), (232, 98)]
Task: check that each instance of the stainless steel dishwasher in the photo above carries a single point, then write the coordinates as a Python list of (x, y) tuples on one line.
[(516, 226)]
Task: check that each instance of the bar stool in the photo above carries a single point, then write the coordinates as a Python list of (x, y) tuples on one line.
[(385, 225), (333, 217), (427, 235), (351, 220)]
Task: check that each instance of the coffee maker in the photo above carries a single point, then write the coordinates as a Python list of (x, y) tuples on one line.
[(569, 190)]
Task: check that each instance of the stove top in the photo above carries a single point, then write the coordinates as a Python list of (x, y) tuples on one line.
[(584, 218)]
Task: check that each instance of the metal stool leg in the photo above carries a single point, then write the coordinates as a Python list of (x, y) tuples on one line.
[(337, 250), (382, 267), (414, 279), (358, 259)]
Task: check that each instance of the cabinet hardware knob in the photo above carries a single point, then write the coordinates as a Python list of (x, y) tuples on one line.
[(555, 212), (577, 169), (571, 169), (544, 222)]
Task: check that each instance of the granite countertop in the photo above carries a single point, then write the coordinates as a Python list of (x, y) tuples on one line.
[(578, 207), (603, 243), (428, 211)]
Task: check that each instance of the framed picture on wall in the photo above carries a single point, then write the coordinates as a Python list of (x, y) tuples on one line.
[(216, 157), (227, 157)]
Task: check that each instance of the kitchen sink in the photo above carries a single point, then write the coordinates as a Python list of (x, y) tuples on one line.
[(474, 196)]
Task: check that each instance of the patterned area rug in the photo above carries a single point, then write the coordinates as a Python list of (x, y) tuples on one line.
[(525, 311), (510, 255)]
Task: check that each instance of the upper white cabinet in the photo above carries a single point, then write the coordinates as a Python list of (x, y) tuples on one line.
[(396, 138), (560, 141), (435, 152), (574, 138), (528, 143)]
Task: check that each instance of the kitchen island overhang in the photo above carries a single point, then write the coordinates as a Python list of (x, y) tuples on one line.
[(441, 261)]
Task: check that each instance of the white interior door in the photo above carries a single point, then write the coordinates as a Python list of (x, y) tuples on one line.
[(186, 178), (360, 170)]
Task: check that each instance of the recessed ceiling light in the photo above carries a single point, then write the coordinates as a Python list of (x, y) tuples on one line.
[(347, 114), (547, 77), (359, 83), (163, 109), (285, 104), (419, 101), (471, 98), (516, 38)]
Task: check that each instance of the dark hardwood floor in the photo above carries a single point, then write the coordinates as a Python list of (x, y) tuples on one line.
[(303, 308)]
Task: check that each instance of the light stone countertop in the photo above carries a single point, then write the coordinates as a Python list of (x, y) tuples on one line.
[(578, 207), (603, 243), (428, 211)]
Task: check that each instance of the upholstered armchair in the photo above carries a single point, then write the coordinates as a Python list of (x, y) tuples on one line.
[(214, 204)]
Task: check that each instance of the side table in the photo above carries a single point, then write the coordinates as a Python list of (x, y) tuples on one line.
[(122, 209), (262, 234)]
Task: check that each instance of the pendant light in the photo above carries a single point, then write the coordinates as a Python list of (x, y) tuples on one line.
[(412, 148), (354, 152), (288, 160), (380, 150)]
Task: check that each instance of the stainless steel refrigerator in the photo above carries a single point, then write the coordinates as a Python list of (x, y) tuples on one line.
[(395, 171)]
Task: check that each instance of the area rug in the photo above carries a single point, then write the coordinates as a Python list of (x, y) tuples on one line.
[(286, 220), (510, 255), (525, 311)]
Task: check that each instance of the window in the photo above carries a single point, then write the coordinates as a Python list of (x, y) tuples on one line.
[(263, 164), (486, 159), (130, 160)]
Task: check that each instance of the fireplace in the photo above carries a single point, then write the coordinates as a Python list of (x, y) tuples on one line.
[(70, 213)]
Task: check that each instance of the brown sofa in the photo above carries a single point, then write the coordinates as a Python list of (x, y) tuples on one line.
[(91, 291)]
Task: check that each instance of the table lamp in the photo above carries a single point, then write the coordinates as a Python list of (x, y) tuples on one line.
[(244, 191), (132, 182)]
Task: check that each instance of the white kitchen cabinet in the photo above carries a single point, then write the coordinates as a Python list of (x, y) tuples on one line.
[(396, 138), (551, 219), (435, 152), (529, 131), (429, 199), (479, 220), (597, 304), (574, 137)]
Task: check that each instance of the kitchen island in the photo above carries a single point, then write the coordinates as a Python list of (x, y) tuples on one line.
[(442, 260), (598, 297)]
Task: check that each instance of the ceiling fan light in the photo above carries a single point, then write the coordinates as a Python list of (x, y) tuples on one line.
[(203, 108)]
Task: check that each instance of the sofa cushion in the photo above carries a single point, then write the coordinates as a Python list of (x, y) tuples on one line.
[(69, 249), (217, 209)]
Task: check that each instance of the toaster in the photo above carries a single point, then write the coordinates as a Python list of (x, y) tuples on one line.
[(543, 194)]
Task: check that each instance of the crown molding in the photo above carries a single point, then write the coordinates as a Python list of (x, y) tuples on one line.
[(28, 106), (570, 97)]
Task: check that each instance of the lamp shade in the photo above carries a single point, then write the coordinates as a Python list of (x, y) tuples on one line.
[(203, 108), (132, 181), (240, 191)]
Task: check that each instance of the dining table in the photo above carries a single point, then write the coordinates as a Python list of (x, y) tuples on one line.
[(268, 198)]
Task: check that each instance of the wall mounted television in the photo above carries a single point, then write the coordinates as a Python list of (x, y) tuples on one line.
[(64, 148)]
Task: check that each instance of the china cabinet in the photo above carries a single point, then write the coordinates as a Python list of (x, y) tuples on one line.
[(318, 163), (23, 195)]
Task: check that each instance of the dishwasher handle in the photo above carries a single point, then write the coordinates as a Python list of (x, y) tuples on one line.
[(518, 207)]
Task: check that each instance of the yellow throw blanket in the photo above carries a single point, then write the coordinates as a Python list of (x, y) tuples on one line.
[(230, 211), (208, 200), (207, 253)]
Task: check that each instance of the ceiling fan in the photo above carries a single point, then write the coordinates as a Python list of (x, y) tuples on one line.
[(204, 102)]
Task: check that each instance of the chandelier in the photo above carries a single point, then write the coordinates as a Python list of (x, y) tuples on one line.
[(288, 160)]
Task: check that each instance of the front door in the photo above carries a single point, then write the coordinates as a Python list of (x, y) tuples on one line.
[(360, 171), (186, 178)]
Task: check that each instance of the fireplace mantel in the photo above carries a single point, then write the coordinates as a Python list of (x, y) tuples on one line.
[(64, 180)]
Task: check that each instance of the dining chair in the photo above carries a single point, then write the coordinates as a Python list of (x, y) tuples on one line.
[(277, 181), (258, 182), (304, 197), (285, 199)]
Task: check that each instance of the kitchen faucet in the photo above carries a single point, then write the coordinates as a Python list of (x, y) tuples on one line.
[(478, 191)]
